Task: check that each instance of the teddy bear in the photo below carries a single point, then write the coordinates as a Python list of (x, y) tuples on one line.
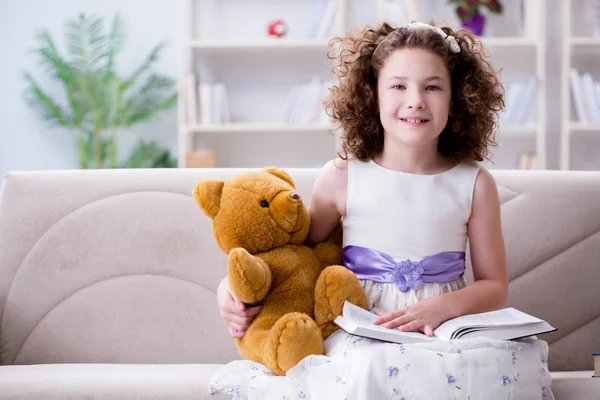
[(261, 223)]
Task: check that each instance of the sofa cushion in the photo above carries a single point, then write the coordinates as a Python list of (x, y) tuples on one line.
[(175, 381), (576, 385), (107, 381)]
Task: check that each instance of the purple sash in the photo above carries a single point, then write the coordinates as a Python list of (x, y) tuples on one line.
[(376, 266)]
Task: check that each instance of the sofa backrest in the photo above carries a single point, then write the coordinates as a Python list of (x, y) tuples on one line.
[(120, 266)]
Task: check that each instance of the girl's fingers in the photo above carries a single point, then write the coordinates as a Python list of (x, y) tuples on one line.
[(405, 319), (428, 330), (386, 317), (252, 311), (235, 333), (231, 318), (247, 312), (240, 305), (410, 327), (237, 327)]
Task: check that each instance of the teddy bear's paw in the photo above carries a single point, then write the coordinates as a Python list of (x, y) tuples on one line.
[(293, 337), (249, 277), (335, 285)]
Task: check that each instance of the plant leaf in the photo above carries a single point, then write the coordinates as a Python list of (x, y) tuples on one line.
[(116, 42), (85, 42), (48, 108), (151, 59), (155, 95), (59, 68)]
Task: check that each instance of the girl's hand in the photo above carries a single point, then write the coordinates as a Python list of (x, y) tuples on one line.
[(235, 313), (424, 316)]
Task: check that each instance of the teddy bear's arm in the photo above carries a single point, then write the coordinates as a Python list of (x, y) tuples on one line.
[(329, 252), (249, 276)]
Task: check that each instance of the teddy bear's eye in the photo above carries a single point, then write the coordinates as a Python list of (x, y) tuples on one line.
[(264, 204)]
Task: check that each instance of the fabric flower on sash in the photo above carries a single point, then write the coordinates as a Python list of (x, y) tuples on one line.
[(407, 275)]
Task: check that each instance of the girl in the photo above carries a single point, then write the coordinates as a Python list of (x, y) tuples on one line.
[(418, 107)]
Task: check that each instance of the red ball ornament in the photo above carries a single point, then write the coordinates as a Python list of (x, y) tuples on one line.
[(277, 28)]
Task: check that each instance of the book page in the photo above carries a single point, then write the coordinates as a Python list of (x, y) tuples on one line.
[(358, 315), (504, 317), (511, 331)]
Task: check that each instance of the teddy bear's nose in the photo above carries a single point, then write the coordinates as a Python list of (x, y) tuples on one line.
[(294, 196)]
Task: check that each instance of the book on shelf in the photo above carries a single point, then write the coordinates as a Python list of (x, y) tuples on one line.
[(596, 357), (520, 101), (586, 96), (505, 324), (213, 103), (304, 103), (192, 99), (324, 19)]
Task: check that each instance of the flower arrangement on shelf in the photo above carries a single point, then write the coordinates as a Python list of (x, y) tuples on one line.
[(470, 15)]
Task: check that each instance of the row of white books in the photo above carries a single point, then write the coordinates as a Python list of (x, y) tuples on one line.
[(586, 96), (305, 103), (207, 103), (519, 101)]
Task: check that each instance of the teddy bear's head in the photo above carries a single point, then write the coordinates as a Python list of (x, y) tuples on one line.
[(257, 210)]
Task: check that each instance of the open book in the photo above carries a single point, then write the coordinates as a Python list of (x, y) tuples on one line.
[(505, 324)]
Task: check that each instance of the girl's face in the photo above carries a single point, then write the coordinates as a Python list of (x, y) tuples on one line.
[(414, 93)]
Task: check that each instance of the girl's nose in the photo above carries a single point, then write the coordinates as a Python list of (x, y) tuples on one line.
[(415, 101), (416, 104)]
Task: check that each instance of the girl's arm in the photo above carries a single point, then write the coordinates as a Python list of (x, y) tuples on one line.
[(236, 315), (488, 257), (328, 200)]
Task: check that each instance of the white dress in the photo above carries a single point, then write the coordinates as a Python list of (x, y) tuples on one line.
[(407, 217)]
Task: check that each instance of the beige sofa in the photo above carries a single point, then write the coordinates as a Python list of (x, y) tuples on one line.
[(108, 278)]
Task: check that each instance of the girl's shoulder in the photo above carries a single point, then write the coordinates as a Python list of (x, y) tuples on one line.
[(331, 184), (335, 171)]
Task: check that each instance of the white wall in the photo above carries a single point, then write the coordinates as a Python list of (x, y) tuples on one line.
[(27, 142)]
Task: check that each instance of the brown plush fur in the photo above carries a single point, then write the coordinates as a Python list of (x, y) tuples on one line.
[(261, 224)]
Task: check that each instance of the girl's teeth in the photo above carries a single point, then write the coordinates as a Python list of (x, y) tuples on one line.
[(415, 121)]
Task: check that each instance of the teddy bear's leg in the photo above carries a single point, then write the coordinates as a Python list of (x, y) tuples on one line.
[(249, 277), (293, 337), (335, 285)]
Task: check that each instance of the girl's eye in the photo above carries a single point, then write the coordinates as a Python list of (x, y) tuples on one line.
[(399, 87), (432, 87)]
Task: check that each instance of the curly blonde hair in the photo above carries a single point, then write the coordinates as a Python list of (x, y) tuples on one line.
[(476, 99)]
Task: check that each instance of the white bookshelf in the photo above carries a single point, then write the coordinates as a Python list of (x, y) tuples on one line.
[(581, 51), (256, 128), (278, 45), (205, 56)]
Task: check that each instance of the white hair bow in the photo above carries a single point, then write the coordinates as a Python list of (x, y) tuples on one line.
[(454, 47)]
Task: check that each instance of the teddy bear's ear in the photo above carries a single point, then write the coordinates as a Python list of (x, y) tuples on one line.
[(280, 174), (207, 194)]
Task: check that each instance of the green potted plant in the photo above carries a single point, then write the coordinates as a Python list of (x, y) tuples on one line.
[(469, 13), (99, 101)]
